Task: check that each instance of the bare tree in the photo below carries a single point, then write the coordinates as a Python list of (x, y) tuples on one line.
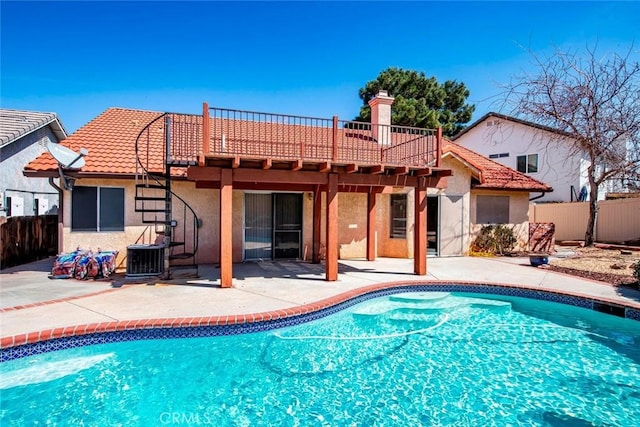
[(596, 100)]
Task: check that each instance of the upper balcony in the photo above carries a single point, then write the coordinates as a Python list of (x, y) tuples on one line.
[(234, 138)]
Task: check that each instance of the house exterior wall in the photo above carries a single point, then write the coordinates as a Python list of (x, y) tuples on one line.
[(352, 226), (518, 215), (458, 184), (556, 167), (135, 231), (394, 247), (352, 220), (205, 203), (13, 158)]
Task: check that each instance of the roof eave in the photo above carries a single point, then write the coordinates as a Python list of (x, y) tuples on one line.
[(512, 119), (56, 127), (496, 188)]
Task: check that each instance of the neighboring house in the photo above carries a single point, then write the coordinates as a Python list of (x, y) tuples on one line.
[(538, 151), (23, 137), (261, 186)]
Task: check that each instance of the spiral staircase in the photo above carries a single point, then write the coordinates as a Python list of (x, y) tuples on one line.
[(168, 213)]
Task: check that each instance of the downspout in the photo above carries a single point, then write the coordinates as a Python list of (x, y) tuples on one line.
[(60, 214), (541, 195)]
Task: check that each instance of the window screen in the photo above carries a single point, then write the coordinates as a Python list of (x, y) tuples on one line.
[(97, 209), (492, 210), (111, 209), (398, 216), (84, 209)]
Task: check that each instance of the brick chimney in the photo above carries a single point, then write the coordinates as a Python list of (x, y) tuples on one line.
[(381, 117)]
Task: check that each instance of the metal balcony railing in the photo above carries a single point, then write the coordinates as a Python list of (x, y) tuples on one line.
[(249, 134)]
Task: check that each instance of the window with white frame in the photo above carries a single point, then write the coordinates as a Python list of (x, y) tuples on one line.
[(527, 163), (492, 210), (398, 229), (97, 209)]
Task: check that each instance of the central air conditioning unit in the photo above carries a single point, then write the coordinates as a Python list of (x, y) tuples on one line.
[(145, 260)]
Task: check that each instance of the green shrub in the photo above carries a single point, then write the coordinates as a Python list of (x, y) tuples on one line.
[(636, 272), (494, 239)]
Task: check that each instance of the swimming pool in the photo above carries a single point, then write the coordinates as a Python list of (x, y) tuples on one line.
[(417, 358)]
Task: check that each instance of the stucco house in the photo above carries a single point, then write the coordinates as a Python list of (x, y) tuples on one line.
[(23, 137), (538, 151), (480, 192), (229, 186)]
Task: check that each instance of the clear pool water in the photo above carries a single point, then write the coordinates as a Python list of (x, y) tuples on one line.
[(410, 359)]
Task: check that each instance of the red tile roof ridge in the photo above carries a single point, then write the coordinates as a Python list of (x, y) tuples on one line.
[(493, 174), (109, 137)]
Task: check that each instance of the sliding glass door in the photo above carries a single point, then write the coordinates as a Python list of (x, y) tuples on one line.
[(272, 225)]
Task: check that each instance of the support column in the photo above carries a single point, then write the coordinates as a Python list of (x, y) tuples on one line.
[(420, 229), (317, 224), (226, 227), (332, 229), (371, 226)]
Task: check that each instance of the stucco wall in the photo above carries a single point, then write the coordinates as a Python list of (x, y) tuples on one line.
[(352, 222), (518, 215), (352, 227), (556, 167), (307, 226), (205, 203), (394, 247), (459, 184), (13, 158), (135, 231)]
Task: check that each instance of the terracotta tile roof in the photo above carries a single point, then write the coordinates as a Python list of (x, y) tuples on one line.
[(110, 139), (491, 174)]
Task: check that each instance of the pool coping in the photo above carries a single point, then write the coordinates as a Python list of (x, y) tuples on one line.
[(46, 340)]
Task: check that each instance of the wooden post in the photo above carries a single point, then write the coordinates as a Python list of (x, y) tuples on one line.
[(420, 229), (226, 227), (332, 229), (317, 223), (206, 134), (371, 225)]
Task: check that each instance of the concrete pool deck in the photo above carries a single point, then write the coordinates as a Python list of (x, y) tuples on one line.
[(35, 308)]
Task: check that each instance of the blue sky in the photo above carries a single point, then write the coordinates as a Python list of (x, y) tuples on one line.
[(304, 58)]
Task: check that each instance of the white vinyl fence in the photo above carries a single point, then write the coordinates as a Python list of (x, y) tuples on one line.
[(618, 220)]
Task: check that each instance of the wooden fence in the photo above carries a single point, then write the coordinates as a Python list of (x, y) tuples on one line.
[(28, 238), (618, 220)]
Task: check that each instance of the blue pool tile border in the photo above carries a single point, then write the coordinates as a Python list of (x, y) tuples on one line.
[(56, 344)]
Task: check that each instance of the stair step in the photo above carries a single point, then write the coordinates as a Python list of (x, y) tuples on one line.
[(154, 221), (184, 255), (159, 186), (150, 199), (150, 210), (182, 162), (172, 244)]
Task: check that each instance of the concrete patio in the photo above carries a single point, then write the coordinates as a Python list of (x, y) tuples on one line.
[(31, 302)]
